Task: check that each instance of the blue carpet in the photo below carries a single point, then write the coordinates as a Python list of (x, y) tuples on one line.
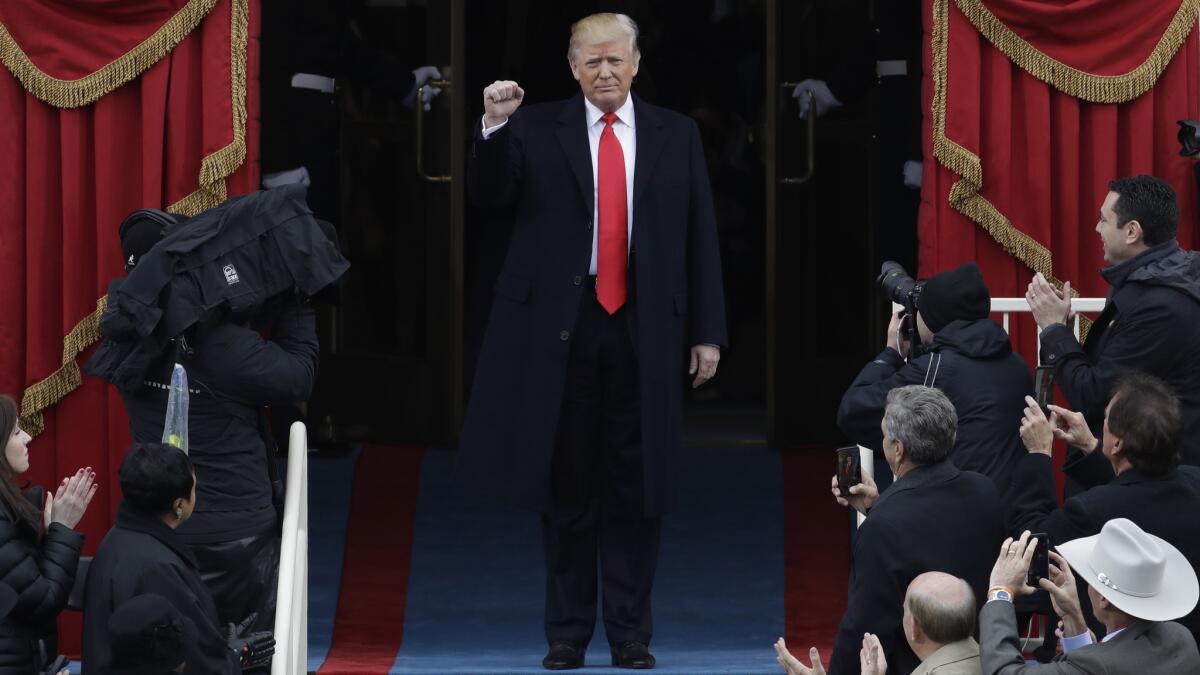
[(475, 592)]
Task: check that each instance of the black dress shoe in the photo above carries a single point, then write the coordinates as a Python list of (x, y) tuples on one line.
[(564, 655), (632, 655)]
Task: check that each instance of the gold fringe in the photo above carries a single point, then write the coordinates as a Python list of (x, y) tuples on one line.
[(1074, 82), (964, 194), (64, 380), (214, 169), (87, 89)]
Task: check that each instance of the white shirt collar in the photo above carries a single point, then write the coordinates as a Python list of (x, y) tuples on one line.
[(624, 113)]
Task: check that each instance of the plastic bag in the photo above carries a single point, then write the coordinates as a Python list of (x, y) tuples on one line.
[(175, 429)]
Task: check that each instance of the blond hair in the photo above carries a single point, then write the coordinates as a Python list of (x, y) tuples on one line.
[(603, 27)]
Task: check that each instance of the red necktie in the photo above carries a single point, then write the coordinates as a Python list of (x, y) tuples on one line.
[(612, 255)]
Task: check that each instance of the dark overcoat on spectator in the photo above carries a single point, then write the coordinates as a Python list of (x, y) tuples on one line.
[(973, 363), (1165, 506), (539, 164), (1149, 324), (42, 574), (935, 518), (142, 555)]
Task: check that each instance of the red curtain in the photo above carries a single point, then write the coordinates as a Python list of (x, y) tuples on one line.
[(172, 123), (1026, 140)]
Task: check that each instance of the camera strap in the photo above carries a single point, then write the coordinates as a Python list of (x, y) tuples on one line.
[(931, 371)]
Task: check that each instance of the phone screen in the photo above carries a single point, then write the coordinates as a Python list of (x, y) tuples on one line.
[(1039, 567), (849, 469), (1043, 386)]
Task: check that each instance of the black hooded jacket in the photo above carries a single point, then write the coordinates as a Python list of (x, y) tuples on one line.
[(973, 363), (1149, 324)]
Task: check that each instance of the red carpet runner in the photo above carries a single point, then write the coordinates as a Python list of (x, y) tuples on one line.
[(816, 552), (370, 614)]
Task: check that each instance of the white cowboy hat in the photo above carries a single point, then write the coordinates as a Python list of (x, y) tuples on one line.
[(1139, 573)]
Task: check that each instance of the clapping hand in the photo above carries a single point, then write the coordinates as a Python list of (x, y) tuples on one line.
[(500, 100), (68, 504), (1049, 305), (793, 666), (871, 659)]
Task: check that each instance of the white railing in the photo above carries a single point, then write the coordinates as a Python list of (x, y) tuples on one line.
[(291, 612)]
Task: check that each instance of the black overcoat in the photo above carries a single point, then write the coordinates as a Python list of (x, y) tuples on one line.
[(539, 164), (934, 518), (142, 555), (42, 574)]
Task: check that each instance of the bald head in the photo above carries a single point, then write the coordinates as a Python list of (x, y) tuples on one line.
[(942, 605)]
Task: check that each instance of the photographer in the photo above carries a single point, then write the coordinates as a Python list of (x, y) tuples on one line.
[(968, 357)]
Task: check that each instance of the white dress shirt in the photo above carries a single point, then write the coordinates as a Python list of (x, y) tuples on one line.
[(624, 129)]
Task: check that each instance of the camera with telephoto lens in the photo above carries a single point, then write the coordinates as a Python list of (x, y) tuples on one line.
[(902, 289)]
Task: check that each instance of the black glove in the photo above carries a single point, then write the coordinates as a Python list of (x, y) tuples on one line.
[(253, 649)]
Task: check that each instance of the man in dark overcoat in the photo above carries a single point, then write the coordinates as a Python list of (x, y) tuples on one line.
[(610, 301)]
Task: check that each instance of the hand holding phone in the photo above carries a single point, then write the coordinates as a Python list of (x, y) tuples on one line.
[(1039, 566), (849, 468)]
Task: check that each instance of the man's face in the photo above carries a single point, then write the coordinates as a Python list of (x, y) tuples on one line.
[(1113, 232), (605, 71)]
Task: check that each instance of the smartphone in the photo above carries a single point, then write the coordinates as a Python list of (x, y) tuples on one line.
[(1043, 387), (849, 469), (1039, 567)]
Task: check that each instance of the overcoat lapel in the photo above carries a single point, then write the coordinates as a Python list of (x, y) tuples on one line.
[(649, 146), (572, 134)]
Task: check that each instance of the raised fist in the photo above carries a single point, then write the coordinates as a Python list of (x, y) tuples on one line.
[(500, 100)]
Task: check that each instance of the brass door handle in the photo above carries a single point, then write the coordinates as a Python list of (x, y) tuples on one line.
[(420, 128), (810, 151)]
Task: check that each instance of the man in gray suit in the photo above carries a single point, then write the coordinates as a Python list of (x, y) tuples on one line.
[(1137, 582)]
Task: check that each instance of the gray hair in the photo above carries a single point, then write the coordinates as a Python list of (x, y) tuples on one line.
[(603, 27), (944, 607), (923, 419)]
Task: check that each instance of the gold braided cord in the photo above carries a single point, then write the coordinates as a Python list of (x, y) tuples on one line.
[(64, 380), (87, 89), (1075, 82), (214, 169), (964, 193)]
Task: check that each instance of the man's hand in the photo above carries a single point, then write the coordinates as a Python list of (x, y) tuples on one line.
[(1071, 427), (862, 496), (793, 666), (1013, 564), (1064, 596), (871, 660), (893, 336), (1037, 433), (1049, 305), (704, 363), (822, 96), (500, 100)]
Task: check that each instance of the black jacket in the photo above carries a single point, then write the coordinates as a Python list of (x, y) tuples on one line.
[(1165, 506), (232, 372), (895, 544), (142, 555), (973, 363), (42, 574), (1149, 324)]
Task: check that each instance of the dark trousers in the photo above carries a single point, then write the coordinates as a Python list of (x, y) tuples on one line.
[(596, 515), (242, 575)]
